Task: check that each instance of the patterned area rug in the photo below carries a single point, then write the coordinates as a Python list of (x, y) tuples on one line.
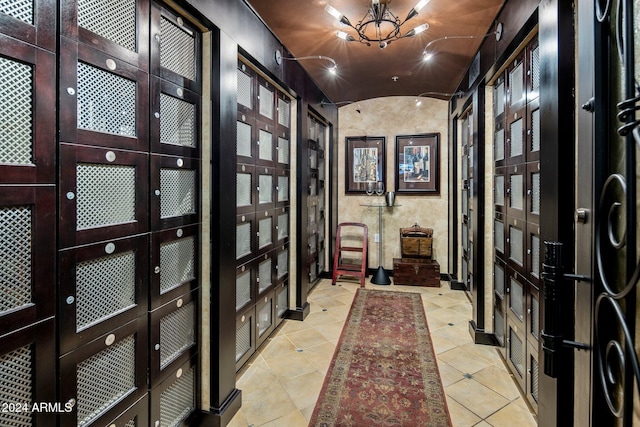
[(384, 370)]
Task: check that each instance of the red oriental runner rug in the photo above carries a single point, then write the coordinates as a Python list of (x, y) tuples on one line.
[(384, 370)]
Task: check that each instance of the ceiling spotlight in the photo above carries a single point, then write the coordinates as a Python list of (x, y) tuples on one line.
[(426, 56), (386, 25)]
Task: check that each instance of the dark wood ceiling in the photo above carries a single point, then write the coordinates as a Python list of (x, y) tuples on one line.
[(364, 72)]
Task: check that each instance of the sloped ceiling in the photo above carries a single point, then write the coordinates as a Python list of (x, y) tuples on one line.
[(364, 72)]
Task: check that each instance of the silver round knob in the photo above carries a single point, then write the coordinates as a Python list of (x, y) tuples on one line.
[(581, 215)]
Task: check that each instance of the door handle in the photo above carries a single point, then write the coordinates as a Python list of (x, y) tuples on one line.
[(554, 278)]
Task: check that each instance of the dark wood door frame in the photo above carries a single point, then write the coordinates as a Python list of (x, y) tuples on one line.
[(586, 176), (556, 38)]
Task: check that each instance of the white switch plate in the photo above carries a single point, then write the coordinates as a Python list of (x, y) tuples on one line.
[(376, 238)]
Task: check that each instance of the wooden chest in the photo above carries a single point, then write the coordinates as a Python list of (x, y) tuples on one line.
[(416, 242), (416, 272)]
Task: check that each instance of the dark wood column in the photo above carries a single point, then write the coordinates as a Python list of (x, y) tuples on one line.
[(225, 397), (477, 326), (301, 308)]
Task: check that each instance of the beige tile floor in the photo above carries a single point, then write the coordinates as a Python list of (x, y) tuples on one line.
[(281, 384)]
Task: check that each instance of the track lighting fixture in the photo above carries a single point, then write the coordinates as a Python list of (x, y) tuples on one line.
[(337, 104), (333, 69), (327, 102), (419, 101), (379, 25), (427, 54)]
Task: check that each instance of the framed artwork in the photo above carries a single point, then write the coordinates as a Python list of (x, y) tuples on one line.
[(418, 163), (365, 165)]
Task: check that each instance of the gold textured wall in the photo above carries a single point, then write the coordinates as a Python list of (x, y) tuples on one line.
[(389, 117), (489, 244)]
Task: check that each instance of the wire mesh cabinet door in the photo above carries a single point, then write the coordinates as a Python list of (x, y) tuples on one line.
[(175, 214), (263, 182), (27, 211)]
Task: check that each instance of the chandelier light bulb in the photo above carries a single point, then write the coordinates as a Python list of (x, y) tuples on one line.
[(337, 14), (333, 12), (417, 30), (420, 5), (345, 36), (416, 9), (420, 28)]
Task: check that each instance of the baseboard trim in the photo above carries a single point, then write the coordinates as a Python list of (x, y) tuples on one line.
[(299, 313), (220, 417), (457, 286), (445, 277), (481, 337)]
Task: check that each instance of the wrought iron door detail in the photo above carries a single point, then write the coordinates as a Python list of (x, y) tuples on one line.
[(616, 364)]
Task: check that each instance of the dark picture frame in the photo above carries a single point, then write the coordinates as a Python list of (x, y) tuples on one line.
[(417, 165), (364, 162)]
